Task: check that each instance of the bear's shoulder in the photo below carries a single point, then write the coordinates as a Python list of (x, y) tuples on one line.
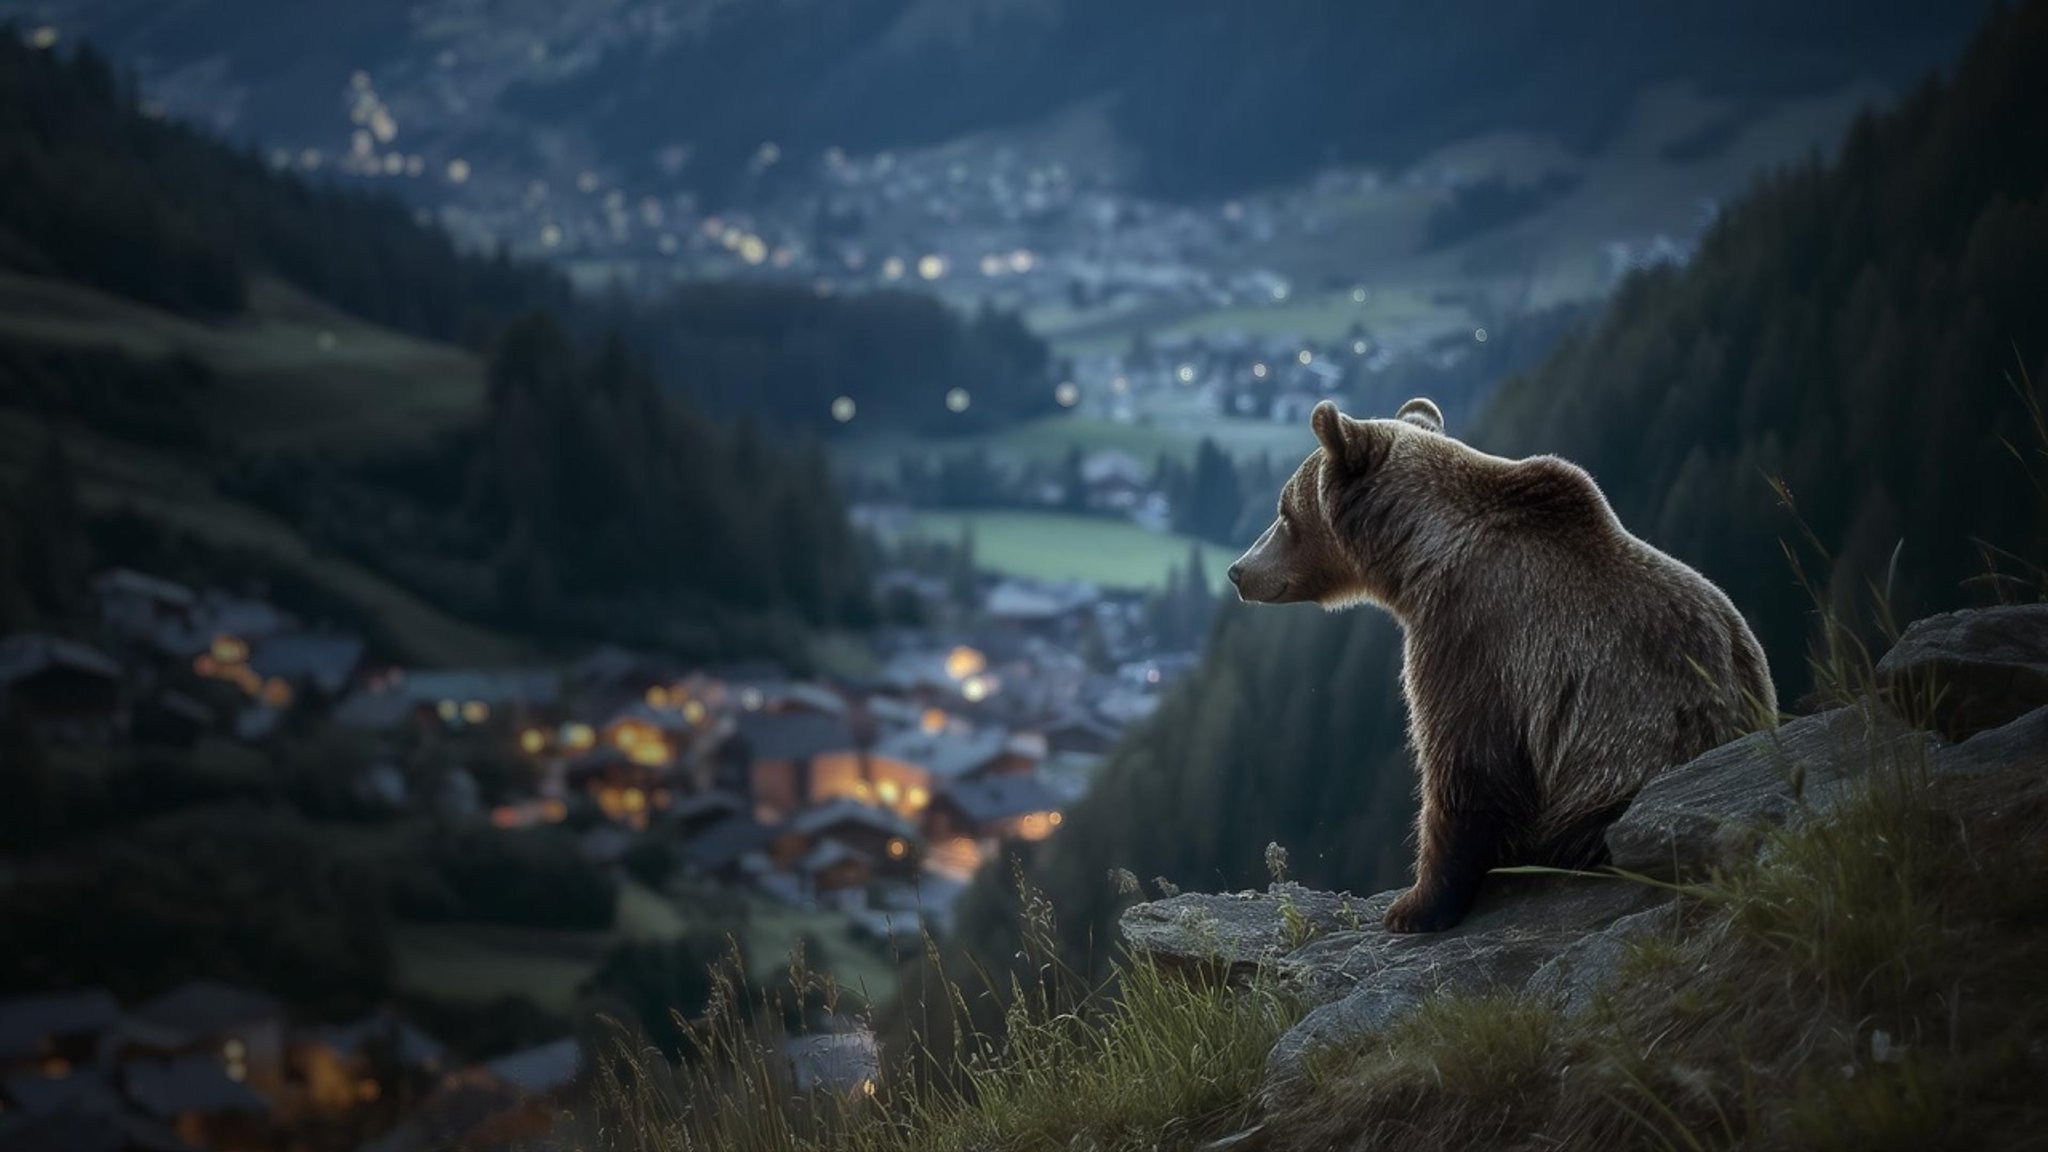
[(1548, 492)]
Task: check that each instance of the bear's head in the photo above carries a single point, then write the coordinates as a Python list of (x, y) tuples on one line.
[(1349, 512)]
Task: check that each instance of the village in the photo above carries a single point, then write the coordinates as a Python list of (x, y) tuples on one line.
[(870, 800)]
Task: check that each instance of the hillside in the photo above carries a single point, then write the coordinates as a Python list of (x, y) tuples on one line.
[(1208, 97), (237, 376), (1212, 96), (1862, 325)]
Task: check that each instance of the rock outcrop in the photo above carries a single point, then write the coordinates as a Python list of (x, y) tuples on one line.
[(1977, 670), (1564, 936)]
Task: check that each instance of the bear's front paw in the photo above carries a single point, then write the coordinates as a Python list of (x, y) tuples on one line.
[(1415, 911)]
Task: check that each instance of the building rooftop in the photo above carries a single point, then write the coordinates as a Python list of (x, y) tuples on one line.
[(26, 1020), (204, 1006), (168, 1088), (1000, 798), (540, 1069), (947, 755), (31, 653), (326, 660), (793, 735), (813, 821), (128, 582)]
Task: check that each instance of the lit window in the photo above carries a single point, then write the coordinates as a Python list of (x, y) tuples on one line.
[(897, 848), (889, 791), (475, 712), (963, 662), (532, 741), (579, 736), (657, 697), (448, 710)]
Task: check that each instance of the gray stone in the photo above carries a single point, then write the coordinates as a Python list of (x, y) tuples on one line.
[(1979, 669), (1574, 977), (1715, 810), (2021, 746), (1361, 982), (1233, 933)]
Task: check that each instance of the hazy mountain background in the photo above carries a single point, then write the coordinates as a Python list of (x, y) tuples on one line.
[(1205, 96)]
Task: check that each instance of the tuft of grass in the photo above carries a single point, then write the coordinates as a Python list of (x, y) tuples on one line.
[(1466, 1067), (1151, 1061)]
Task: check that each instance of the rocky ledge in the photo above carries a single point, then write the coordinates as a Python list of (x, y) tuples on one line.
[(1981, 677)]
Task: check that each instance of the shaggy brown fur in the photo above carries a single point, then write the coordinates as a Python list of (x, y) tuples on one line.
[(1552, 661)]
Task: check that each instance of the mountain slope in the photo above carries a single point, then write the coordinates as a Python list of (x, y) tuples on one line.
[(1212, 95), (1855, 325), (261, 376)]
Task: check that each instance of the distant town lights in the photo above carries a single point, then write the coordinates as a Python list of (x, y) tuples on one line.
[(1479, 334), (843, 409), (458, 171), (1067, 394), (551, 236), (957, 400), (931, 267), (1358, 347), (1358, 295), (1259, 371), (1186, 374), (1022, 261), (1305, 356), (892, 268)]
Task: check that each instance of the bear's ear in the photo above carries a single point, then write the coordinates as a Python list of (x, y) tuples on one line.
[(1329, 426), (1423, 414)]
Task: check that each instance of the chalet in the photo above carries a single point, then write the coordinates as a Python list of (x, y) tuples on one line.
[(692, 814), (52, 1034), (145, 609), (84, 1089), (337, 1067), (906, 769), (721, 850), (1114, 479), (1040, 606), (200, 1100), (64, 691), (541, 1070), (785, 761), (834, 868), (473, 1109), (885, 838), (241, 1032), (1013, 807), (454, 699), (1080, 730), (319, 661)]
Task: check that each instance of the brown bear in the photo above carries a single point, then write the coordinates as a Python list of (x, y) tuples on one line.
[(1552, 662)]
